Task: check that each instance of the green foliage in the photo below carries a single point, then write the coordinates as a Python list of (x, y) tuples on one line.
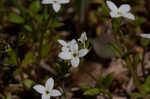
[(93, 91), (28, 83), (28, 28), (17, 72), (15, 18), (147, 81), (12, 59), (29, 58), (105, 83), (2, 96), (86, 87), (102, 86), (116, 49), (45, 50), (105, 12), (107, 80), (9, 96), (145, 89), (56, 24), (35, 6)]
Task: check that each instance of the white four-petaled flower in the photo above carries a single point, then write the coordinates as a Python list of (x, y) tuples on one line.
[(74, 54), (123, 10), (48, 90), (55, 3), (83, 38), (145, 35), (66, 45)]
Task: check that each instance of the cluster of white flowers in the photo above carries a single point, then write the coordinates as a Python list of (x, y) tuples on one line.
[(70, 50), (123, 10), (55, 3), (48, 90)]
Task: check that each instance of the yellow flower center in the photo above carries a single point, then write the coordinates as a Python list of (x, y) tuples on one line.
[(75, 55), (47, 91), (55, 1), (119, 12)]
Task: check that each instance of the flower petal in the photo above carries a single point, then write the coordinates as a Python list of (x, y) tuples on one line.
[(44, 96), (111, 6), (65, 55), (83, 52), (125, 8), (39, 88), (62, 42), (56, 6), (114, 14), (64, 1), (83, 38), (145, 35), (47, 1), (65, 49), (75, 62), (55, 92), (129, 16), (73, 42), (74, 47), (49, 84)]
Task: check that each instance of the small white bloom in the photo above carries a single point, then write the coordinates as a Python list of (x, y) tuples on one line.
[(83, 38), (145, 35), (55, 3), (123, 10), (66, 45), (74, 55), (48, 90)]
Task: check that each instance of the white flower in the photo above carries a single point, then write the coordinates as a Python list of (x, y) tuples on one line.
[(123, 10), (74, 55), (66, 45), (83, 38), (48, 90), (145, 35), (55, 3)]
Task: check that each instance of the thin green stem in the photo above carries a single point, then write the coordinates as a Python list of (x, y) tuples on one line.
[(133, 74), (127, 60), (142, 63), (46, 26), (20, 67), (109, 94)]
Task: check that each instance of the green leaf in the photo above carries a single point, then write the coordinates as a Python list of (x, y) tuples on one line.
[(28, 28), (45, 50), (93, 91), (35, 6), (107, 81), (116, 49), (16, 72), (136, 95), (15, 18), (105, 12), (85, 87), (147, 81), (2, 96), (8, 96), (145, 89), (12, 58), (39, 18), (28, 83), (29, 58), (56, 24), (100, 81)]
